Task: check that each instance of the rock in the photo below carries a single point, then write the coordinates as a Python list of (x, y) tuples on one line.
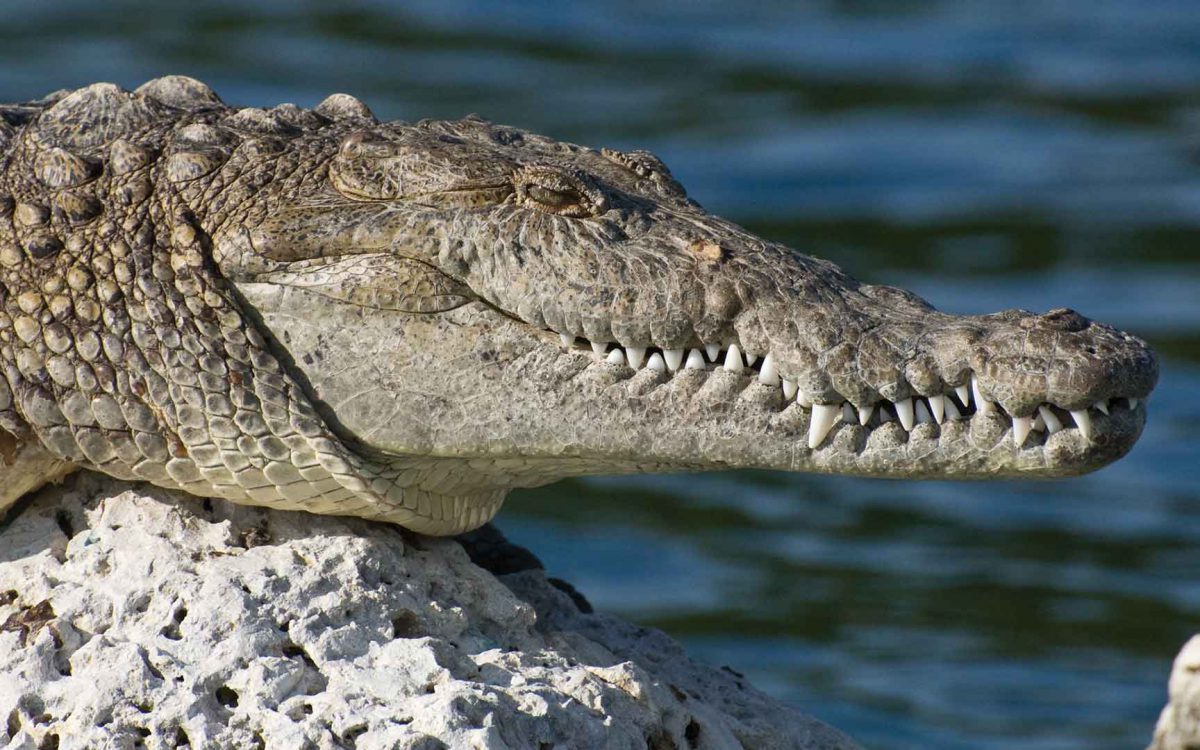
[(1179, 724), (134, 617)]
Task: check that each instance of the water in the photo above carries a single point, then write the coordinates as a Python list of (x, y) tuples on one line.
[(986, 155)]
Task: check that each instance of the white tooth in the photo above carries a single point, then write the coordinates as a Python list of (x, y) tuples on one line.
[(864, 414), (904, 410), (849, 416), (923, 415), (566, 340), (656, 363), (937, 404), (598, 349), (803, 399), (733, 359), (712, 350), (964, 394), (789, 389), (637, 355), (1133, 402), (1021, 427), (674, 358), (1101, 405), (751, 359), (982, 405), (952, 411), (1039, 424), (695, 360), (885, 416), (1053, 423), (824, 416), (768, 374), (616, 357), (1083, 420)]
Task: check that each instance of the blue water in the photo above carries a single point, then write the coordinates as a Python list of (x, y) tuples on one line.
[(986, 155)]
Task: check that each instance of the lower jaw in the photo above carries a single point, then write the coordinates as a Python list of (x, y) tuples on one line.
[(981, 447), (719, 420)]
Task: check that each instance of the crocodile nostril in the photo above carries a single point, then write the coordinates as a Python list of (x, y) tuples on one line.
[(1060, 318)]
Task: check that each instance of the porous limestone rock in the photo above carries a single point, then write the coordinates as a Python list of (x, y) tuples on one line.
[(1179, 724), (135, 617)]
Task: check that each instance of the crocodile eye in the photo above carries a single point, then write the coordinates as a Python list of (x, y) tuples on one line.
[(554, 198), (554, 192)]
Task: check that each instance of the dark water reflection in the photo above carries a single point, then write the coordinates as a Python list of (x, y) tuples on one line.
[(985, 155)]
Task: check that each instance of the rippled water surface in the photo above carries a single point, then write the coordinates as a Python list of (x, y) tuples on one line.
[(985, 155)]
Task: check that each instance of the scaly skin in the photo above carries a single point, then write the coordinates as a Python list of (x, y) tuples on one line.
[(314, 310)]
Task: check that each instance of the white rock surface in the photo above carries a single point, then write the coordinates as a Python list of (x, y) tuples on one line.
[(138, 618), (1179, 724)]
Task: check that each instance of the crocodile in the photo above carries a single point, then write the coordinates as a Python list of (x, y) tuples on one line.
[(312, 309)]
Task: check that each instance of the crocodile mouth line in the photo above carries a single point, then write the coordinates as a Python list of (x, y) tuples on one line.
[(957, 403)]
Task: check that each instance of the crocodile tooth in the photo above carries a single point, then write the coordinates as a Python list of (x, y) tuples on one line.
[(964, 394), (695, 360), (566, 340), (673, 358), (1039, 424), (1133, 402), (751, 359), (923, 415), (1083, 421), (824, 416), (789, 389), (904, 410), (733, 359), (656, 363), (1053, 423), (864, 414), (713, 351), (937, 405), (803, 399), (637, 355), (616, 356), (598, 349), (952, 411), (1020, 429), (982, 405), (769, 373), (885, 416), (1101, 405)]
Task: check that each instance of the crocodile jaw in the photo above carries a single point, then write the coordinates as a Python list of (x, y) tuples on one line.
[(512, 405)]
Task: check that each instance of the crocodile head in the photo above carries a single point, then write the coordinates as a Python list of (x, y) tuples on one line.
[(534, 309)]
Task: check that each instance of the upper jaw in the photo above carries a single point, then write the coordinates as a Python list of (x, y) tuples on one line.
[(845, 377), (1012, 393)]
